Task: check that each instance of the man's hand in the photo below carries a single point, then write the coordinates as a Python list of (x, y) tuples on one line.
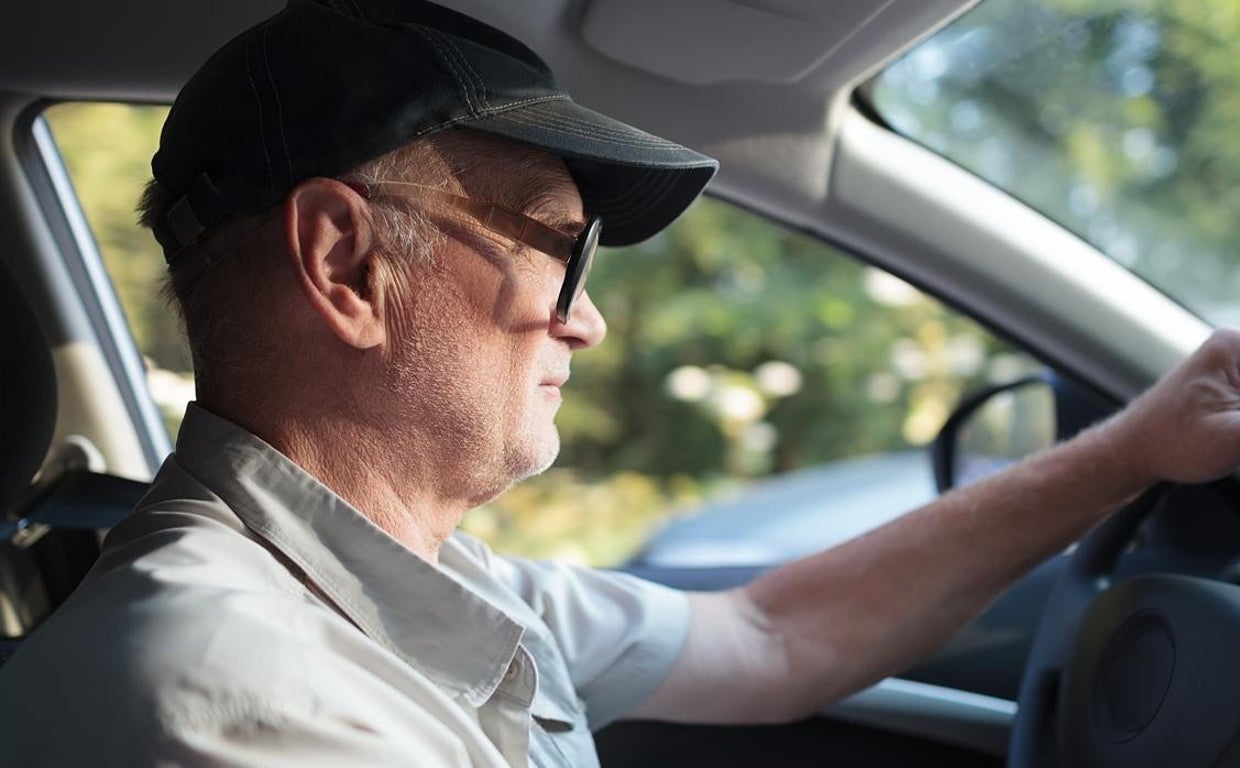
[(1186, 428), (822, 627)]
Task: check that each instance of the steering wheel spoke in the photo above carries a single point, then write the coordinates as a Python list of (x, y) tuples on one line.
[(1035, 736)]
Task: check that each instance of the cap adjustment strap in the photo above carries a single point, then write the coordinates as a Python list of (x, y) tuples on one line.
[(197, 210)]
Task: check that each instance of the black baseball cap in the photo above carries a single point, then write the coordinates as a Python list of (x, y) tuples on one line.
[(325, 85)]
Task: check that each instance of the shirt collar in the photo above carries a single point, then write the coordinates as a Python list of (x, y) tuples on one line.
[(415, 610)]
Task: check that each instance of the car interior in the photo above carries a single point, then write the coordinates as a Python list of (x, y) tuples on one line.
[(778, 91)]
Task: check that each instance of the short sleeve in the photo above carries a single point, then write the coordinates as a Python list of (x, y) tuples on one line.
[(619, 634)]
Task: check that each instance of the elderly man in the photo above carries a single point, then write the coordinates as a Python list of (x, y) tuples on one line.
[(378, 219)]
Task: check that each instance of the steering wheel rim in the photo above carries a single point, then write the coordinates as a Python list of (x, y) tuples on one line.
[(1086, 575), (1139, 674)]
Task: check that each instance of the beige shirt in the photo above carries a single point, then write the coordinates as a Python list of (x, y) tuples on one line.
[(246, 615)]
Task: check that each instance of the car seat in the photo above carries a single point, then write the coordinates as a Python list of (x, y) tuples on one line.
[(48, 528)]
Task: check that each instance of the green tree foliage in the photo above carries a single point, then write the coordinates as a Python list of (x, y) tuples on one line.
[(725, 290), (107, 150), (1116, 118)]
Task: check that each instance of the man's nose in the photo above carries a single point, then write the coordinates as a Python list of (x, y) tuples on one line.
[(585, 326)]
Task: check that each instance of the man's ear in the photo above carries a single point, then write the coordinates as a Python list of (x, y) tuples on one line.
[(331, 241)]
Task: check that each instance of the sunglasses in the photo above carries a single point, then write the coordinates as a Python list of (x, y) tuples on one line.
[(576, 251)]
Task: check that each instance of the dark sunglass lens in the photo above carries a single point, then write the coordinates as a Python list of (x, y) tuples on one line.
[(578, 268)]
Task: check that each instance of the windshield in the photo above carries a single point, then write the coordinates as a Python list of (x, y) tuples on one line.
[(1120, 119)]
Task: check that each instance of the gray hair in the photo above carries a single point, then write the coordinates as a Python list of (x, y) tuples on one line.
[(215, 306)]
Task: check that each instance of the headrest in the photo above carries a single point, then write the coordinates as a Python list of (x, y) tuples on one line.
[(27, 391)]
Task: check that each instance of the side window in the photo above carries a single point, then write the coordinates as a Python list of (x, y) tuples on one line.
[(107, 151), (759, 394)]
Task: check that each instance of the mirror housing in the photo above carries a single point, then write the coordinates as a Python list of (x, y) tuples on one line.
[(1074, 407)]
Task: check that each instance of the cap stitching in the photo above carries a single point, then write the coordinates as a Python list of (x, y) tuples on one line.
[(640, 138), (480, 88), (462, 66), (640, 189), (458, 76), (665, 190), (578, 129), (453, 121), (648, 193), (262, 134), (288, 156), (621, 130)]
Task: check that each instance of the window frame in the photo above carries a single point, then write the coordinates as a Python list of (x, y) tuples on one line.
[(74, 242)]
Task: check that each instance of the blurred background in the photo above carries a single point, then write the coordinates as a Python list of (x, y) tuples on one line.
[(738, 351)]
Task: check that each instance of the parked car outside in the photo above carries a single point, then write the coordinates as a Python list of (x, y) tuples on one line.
[(784, 517)]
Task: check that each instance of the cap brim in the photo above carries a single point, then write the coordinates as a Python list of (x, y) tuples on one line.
[(636, 182)]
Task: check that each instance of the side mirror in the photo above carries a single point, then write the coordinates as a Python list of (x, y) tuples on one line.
[(1001, 424)]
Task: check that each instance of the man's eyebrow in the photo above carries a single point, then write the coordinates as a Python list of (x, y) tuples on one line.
[(566, 223), (554, 214)]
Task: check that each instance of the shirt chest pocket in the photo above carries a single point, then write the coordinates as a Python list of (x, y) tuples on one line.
[(559, 734)]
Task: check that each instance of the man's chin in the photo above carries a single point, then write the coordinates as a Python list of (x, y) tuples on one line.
[(520, 465), (539, 460)]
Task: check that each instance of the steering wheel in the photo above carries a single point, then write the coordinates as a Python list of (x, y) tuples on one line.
[(1142, 673)]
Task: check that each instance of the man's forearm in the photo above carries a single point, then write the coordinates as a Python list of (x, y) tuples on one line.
[(817, 629), (869, 608), (822, 627)]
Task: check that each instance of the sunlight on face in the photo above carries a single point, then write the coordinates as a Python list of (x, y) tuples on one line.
[(480, 357)]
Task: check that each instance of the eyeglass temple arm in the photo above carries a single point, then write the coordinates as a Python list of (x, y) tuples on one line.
[(510, 224)]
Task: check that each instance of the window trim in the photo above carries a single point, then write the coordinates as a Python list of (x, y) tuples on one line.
[(53, 189)]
